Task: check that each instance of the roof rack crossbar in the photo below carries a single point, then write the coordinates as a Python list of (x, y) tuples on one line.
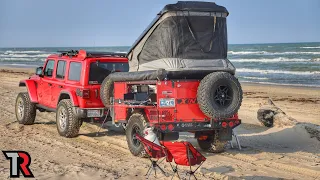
[(101, 54), (92, 53)]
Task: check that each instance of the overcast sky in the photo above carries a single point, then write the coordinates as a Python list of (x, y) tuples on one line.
[(38, 23)]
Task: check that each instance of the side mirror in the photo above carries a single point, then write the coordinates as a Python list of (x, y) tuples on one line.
[(39, 71)]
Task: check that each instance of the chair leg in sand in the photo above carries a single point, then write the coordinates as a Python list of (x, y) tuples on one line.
[(237, 140)]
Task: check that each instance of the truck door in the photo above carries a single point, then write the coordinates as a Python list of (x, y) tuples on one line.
[(45, 84)]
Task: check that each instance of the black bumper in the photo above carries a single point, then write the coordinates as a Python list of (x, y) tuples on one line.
[(197, 126), (83, 112)]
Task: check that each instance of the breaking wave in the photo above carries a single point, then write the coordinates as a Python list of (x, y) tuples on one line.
[(268, 53), (21, 65), (259, 78), (283, 84), (280, 59), (316, 47), (8, 59), (21, 52), (24, 55), (269, 71)]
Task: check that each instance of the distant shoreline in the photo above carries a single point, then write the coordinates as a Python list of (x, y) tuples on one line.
[(31, 70), (2, 47)]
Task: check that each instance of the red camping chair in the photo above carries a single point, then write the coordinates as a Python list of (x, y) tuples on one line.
[(156, 152), (184, 154)]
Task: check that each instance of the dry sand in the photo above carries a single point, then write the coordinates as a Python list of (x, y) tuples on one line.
[(268, 153)]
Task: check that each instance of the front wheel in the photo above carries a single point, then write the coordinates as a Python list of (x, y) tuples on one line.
[(25, 110), (68, 124), (211, 144), (136, 125)]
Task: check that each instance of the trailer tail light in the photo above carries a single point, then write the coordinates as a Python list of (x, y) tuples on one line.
[(224, 124), (170, 127), (163, 127), (231, 124)]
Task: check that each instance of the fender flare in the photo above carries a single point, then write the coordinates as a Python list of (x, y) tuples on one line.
[(32, 89), (72, 96)]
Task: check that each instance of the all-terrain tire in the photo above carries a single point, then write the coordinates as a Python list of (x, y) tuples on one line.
[(211, 145), (219, 95), (136, 124), (106, 91), (25, 110), (69, 125)]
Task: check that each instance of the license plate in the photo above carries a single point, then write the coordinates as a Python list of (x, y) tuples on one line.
[(167, 102), (94, 113)]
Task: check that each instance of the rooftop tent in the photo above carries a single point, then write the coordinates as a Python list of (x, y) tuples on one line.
[(184, 37)]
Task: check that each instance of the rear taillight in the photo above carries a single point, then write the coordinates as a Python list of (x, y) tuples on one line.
[(224, 124), (163, 127), (170, 127), (231, 124), (84, 93)]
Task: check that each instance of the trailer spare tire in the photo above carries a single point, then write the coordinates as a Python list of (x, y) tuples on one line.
[(219, 95), (106, 91)]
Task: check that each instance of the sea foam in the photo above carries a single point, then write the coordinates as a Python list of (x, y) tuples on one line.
[(269, 71), (269, 53), (280, 59)]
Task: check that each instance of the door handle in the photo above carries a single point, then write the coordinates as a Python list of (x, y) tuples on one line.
[(60, 86), (49, 84)]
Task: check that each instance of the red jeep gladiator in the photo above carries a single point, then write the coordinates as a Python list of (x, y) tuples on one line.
[(68, 84)]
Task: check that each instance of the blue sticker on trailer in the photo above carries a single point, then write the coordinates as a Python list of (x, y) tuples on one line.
[(167, 102)]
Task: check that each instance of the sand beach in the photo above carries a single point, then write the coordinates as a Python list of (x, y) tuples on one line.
[(280, 152)]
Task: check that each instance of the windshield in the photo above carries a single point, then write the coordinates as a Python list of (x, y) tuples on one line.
[(100, 70)]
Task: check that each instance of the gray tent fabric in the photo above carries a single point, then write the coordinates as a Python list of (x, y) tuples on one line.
[(187, 36)]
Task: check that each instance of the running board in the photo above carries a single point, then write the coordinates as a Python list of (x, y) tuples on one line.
[(48, 109)]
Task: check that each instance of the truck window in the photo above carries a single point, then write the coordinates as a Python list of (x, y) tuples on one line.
[(100, 70), (49, 68), (61, 67), (75, 71)]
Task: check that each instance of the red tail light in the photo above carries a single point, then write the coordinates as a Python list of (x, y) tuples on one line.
[(170, 127), (84, 93), (231, 124), (163, 127), (224, 124)]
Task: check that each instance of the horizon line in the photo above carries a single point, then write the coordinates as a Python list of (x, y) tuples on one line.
[(131, 45)]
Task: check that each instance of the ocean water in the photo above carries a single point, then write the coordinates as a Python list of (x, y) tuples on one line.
[(285, 63)]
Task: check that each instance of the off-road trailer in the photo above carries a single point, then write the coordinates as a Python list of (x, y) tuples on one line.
[(180, 79)]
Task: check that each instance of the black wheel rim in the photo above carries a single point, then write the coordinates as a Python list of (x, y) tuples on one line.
[(135, 130), (223, 96)]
